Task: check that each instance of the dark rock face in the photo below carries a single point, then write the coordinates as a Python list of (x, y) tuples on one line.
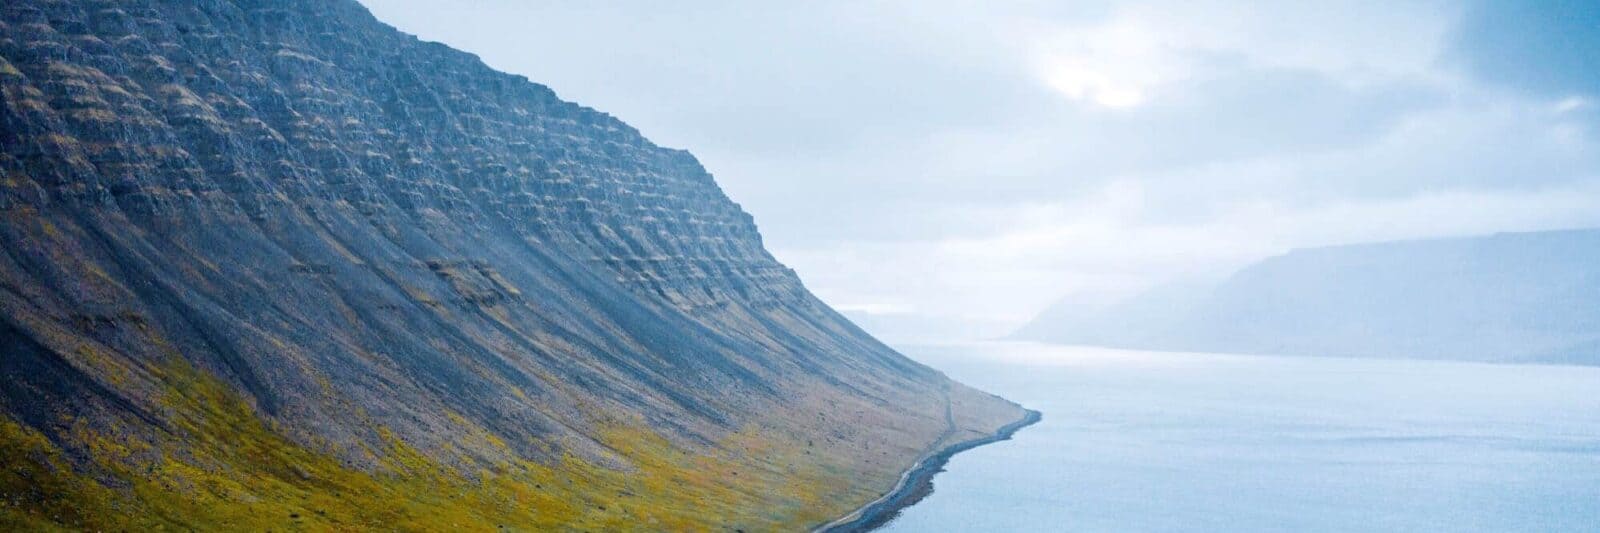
[(356, 229)]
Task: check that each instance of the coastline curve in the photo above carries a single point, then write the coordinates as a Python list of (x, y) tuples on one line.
[(917, 481)]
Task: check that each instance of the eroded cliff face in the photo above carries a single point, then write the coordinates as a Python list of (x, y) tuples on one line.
[(260, 257)]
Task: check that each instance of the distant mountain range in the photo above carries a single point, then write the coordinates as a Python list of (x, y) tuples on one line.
[(1510, 297)]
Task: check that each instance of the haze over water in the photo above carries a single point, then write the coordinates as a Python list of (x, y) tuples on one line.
[(1150, 441)]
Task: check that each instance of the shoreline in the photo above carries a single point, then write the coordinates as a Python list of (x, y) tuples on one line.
[(917, 482)]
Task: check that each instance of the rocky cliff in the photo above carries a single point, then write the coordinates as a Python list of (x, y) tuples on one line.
[(273, 262)]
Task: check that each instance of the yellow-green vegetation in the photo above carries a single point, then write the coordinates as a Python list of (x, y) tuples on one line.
[(41, 492), (223, 468)]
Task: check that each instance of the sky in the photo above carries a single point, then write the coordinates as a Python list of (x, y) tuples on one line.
[(943, 170)]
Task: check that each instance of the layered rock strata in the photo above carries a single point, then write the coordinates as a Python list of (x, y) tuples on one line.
[(260, 259)]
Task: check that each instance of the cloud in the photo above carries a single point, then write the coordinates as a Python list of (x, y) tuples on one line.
[(952, 167), (1549, 47), (1112, 65), (990, 284)]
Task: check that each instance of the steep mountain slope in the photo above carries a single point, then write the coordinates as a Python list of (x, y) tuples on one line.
[(266, 262), (1506, 297)]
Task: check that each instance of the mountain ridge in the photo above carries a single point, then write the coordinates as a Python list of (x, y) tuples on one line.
[(1505, 297), (378, 255)]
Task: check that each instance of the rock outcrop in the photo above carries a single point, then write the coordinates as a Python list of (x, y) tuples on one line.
[(240, 227)]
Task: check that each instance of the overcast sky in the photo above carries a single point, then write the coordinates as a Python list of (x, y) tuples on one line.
[(948, 169)]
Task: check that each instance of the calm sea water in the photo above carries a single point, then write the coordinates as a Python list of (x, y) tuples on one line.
[(1146, 441)]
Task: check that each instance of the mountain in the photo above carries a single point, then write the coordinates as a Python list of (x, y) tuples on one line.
[(1511, 297), (1108, 321), (272, 264)]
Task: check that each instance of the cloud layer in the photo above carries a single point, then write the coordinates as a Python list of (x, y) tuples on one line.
[(946, 169)]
